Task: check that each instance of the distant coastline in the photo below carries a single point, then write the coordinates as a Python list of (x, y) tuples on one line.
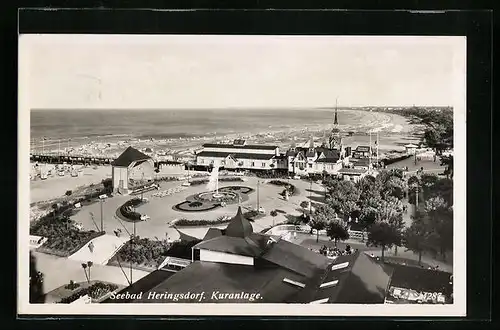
[(110, 131)]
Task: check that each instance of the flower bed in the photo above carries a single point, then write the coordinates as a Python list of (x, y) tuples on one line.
[(143, 251), (63, 239), (200, 223), (128, 213), (95, 292)]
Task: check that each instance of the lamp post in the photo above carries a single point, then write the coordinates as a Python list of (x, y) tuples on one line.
[(310, 195), (102, 221), (258, 196)]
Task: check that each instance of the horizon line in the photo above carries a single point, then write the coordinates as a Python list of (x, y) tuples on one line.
[(249, 108)]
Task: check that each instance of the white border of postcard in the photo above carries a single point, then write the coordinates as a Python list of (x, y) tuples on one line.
[(458, 308)]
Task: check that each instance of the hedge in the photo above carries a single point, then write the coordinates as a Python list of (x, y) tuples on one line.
[(95, 292)]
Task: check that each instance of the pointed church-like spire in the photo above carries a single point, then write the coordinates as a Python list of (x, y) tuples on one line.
[(335, 121)]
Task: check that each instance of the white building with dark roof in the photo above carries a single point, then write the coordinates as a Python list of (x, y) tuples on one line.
[(240, 155), (238, 263), (131, 164)]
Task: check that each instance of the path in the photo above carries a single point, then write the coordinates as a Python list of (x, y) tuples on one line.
[(413, 256), (104, 248), (59, 271)]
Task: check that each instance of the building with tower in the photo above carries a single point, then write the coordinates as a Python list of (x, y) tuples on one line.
[(311, 159)]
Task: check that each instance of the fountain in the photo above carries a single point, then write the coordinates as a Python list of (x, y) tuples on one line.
[(214, 197), (213, 183)]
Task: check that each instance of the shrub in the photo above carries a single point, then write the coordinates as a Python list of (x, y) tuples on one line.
[(195, 204), (72, 285), (95, 291), (195, 223), (142, 251)]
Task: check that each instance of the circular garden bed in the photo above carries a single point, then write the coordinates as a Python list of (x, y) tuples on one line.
[(207, 201)]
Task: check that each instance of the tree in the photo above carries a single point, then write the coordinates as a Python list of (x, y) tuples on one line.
[(394, 186), (304, 205), (368, 216), (441, 224), (36, 282), (322, 215), (415, 237), (383, 235), (336, 231), (55, 206), (90, 264), (274, 213), (84, 266), (317, 223), (448, 162)]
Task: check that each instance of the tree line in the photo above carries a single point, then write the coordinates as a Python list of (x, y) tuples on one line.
[(376, 205)]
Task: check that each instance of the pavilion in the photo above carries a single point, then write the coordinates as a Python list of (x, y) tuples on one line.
[(238, 260), (131, 164)]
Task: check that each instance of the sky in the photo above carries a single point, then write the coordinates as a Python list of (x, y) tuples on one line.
[(176, 72)]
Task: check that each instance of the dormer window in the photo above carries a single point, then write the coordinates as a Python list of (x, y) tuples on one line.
[(320, 301), (292, 282), (340, 266), (329, 284)]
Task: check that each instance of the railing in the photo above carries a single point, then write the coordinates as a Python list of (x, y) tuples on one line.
[(280, 229)]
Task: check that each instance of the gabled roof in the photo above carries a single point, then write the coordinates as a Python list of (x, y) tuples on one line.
[(310, 153), (232, 146), (359, 279), (239, 226), (296, 258), (236, 156), (129, 156), (212, 233)]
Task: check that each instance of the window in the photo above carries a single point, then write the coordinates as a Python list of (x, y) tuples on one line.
[(289, 281), (263, 164), (310, 165), (223, 162), (320, 301), (329, 284), (253, 164), (340, 266), (201, 161)]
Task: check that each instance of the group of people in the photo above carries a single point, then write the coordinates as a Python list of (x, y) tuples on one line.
[(335, 251)]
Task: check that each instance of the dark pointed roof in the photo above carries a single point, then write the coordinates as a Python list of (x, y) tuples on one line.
[(185, 237), (239, 226), (129, 156), (212, 233)]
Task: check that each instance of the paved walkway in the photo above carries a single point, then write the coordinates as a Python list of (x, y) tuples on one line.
[(413, 256), (104, 248), (59, 271)]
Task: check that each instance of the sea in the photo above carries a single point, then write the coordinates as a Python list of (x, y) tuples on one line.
[(170, 124)]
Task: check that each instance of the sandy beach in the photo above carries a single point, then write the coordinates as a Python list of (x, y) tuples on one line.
[(56, 186), (393, 132)]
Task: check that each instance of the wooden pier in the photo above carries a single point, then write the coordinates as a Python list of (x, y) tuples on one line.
[(70, 159)]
